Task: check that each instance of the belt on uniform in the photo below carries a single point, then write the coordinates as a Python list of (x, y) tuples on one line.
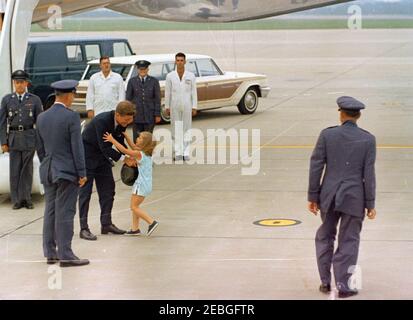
[(20, 128)]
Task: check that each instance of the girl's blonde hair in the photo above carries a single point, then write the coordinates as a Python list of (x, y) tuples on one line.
[(148, 144)]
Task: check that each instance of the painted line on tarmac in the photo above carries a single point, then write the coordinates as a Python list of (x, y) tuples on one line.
[(304, 147), (254, 259)]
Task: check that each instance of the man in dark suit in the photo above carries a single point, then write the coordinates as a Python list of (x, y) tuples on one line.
[(346, 154), (100, 156), (145, 93), (62, 171)]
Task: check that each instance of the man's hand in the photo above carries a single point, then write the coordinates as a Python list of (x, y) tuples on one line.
[(4, 148), (371, 214), (168, 111), (130, 162), (194, 112), (90, 114), (313, 208), (157, 119), (82, 181)]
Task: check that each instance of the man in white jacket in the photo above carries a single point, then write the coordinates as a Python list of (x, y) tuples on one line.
[(181, 103), (106, 89)]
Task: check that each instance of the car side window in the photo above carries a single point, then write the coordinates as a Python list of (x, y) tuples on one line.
[(207, 68), (155, 70), (121, 69), (190, 66), (74, 53), (92, 51)]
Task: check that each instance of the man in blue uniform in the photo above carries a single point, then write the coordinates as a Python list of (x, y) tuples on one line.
[(145, 93), (62, 172), (346, 155), (18, 115)]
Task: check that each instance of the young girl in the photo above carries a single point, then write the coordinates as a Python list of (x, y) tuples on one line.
[(142, 152)]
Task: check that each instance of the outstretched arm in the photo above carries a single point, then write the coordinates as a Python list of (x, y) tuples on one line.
[(107, 137), (129, 141)]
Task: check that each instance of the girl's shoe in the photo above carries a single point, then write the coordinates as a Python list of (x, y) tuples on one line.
[(133, 233), (152, 227)]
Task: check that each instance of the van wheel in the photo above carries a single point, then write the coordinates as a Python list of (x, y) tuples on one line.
[(249, 102), (50, 101), (165, 118)]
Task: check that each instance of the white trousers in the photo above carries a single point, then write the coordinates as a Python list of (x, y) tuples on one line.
[(181, 123)]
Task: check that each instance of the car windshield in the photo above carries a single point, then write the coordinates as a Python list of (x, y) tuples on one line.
[(122, 69)]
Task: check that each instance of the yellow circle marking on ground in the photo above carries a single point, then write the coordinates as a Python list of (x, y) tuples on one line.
[(277, 222)]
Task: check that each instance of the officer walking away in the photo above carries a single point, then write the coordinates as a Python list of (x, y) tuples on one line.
[(18, 115), (346, 155), (62, 172), (145, 93), (106, 89)]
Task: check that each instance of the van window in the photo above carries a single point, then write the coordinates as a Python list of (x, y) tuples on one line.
[(123, 70), (207, 68), (46, 56), (121, 49), (74, 53), (92, 51)]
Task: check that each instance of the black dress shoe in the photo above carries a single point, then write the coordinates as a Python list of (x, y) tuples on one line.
[(152, 227), (112, 229), (52, 260), (325, 288), (87, 235), (74, 263), (29, 205), (17, 206), (347, 294)]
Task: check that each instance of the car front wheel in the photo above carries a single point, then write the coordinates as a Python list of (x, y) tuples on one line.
[(249, 102)]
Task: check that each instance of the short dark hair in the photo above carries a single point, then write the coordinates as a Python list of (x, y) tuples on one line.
[(125, 108), (180, 54), (104, 58), (352, 113)]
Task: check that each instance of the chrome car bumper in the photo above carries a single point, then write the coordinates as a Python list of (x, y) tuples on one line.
[(265, 91)]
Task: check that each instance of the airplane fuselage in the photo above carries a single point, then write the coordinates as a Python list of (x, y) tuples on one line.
[(186, 10)]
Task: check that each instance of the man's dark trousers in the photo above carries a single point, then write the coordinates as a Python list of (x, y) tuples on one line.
[(105, 185)]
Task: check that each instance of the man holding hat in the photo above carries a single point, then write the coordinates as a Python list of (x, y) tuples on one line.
[(18, 115), (62, 172), (145, 93), (346, 155)]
